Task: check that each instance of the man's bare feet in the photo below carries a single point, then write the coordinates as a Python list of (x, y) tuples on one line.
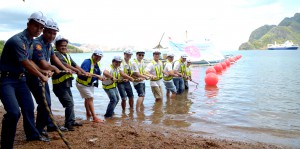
[(98, 120)]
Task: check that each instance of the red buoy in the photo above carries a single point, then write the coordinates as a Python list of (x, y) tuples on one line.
[(211, 79), (227, 61), (218, 67), (224, 65), (210, 70)]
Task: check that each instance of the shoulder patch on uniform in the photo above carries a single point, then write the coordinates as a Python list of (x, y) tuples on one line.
[(24, 47), (38, 47)]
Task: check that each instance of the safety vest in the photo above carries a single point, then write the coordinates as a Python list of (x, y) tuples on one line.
[(169, 77), (65, 76), (114, 84), (158, 70), (125, 70), (182, 67), (141, 69), (188, 72), (88, 80)]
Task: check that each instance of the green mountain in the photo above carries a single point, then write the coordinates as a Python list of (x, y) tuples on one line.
[(287, 29)]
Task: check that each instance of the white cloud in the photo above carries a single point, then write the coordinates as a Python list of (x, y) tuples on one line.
[(141, 23)]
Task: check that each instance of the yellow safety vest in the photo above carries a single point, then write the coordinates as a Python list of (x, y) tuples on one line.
[(125, 71), (89, 79), (188, 73), (158, 70), (65, 76), (169, 77), (182, 67), (141, 69), (114, 84)]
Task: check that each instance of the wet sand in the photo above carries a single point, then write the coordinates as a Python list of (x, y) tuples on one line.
[(128, 134)]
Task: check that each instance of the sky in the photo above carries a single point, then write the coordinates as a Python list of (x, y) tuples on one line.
[(140, 23)]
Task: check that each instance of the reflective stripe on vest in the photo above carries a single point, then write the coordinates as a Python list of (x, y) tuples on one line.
[(125, 71), (141, 69), (182, 67), (114, 84), (169, 77), (89, 79), (65, 76), (158, 70), (188, 73)]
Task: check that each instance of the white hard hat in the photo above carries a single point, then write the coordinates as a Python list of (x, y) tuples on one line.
[(170, 55), (128, 51), (189, 61), (184, 55), (156, 51), (140, 51), (98, 52), (117, 58), (51, 24), (59, 38), (38, 17)]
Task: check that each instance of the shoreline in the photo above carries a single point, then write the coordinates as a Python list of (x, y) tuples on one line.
[(128, 134)]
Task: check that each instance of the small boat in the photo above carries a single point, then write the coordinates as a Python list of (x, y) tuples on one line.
[(288, 45)]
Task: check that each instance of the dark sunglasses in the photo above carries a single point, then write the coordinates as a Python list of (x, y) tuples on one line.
[(141, 54)]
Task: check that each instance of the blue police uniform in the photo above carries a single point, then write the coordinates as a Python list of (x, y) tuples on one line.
[(15, 92), (41, 51)]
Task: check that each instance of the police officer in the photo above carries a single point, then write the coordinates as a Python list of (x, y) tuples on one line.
[(42, 53), (15, 93)]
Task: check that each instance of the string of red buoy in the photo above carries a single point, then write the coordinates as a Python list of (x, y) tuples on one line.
[(211, 78)]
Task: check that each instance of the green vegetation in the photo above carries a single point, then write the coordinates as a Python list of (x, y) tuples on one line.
[(71, 48), (288, 29), (1, 45)]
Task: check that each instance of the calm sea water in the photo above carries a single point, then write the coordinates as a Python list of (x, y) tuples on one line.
[(256, 99)]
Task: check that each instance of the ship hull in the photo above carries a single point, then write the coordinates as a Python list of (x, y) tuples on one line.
[(283, 48)]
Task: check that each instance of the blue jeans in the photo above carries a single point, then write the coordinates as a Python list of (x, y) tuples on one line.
[(140, 89), (42, 118), (16, 94), (170, 86), (125, 90), (114, 99), (65, 97), (186, 84), (179, 84)]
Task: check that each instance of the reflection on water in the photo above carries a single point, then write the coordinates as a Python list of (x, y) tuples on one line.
[(253, 98), (211, 91)]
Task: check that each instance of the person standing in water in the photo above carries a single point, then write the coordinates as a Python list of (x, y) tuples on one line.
[(124, 87), (86, 84)]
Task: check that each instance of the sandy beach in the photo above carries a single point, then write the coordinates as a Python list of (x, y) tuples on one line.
[(127, 134)]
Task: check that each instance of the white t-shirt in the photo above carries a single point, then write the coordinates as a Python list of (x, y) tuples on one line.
[(136, 66), (151, 69), (127, 66), (168, 67), (111, 70), (177, 67)]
